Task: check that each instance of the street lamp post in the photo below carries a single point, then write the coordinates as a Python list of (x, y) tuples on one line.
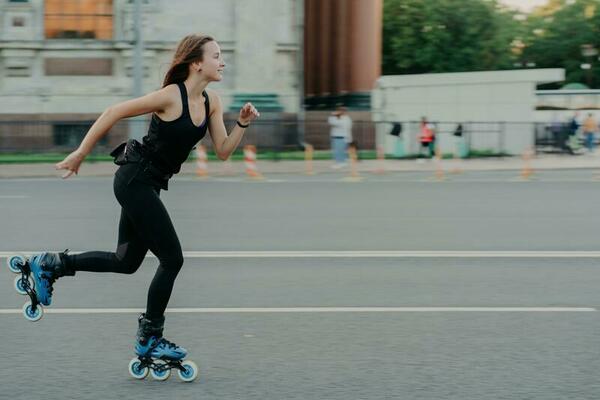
[(301, 116), (135, 124)]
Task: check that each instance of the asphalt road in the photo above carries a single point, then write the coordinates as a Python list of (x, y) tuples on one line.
[(433, 327), (476, 211)]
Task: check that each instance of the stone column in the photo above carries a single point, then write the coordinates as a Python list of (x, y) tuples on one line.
[(254, 52), (342, 48), (365, 27), (311, 59), (325, 46), (343, 51), (254, 46)]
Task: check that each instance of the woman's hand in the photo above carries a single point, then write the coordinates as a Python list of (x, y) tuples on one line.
[(71, 163), (248, 114)]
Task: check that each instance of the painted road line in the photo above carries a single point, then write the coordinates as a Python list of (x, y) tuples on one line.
[(266, 310), (366, 254)]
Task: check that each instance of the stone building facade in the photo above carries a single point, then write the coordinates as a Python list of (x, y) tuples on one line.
[(63, 61), (67, 60), (86, 67)]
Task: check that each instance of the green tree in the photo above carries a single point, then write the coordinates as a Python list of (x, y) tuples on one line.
[(557, 35), (447, 36)]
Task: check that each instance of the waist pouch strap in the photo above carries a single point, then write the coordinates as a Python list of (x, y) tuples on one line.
[(147, 166), (132, 152)]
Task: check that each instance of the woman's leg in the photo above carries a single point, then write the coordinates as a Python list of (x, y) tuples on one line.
[(340, 150), (130, 253), (153, 225), (589, 141), (335, 150), (149, 221), (131, 247), (127, 258)]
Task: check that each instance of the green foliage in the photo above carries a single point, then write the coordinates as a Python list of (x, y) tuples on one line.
[(424, 36), (561, 35), (445, 36)]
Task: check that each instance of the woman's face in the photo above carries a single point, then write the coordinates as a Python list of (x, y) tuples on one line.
[(212, 64)]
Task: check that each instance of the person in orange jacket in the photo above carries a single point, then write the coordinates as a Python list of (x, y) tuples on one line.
[(427, 137)]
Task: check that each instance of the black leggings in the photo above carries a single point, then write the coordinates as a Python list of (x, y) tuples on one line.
[(145, 225)]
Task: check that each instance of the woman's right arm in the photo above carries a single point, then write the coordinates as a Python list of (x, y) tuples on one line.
[(152, 102)]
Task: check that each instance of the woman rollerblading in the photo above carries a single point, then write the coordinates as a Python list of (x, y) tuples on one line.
[(183, 111)]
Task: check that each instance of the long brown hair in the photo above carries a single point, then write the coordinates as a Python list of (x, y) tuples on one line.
[(189, 50)]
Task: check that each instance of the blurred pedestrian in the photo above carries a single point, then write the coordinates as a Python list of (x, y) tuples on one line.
[(570, 133), (427, 137), (574, 124), (396, 133), (183, 110), (459, 142), (556, 129), (341, 135), (590, 128), (573, 128), (396, 129)]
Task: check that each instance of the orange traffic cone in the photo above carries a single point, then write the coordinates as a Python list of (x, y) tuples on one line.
[(201, 162), (308, 159), (354, 175), (250, 162), (527, 170), (227, 169), (457, 161), (439, 171), (380, 166)]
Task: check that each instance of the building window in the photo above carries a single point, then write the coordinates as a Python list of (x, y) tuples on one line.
[(18, 22), (78, 19), (70, 134), (62, 66)]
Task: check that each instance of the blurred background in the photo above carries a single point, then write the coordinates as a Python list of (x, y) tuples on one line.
[(441, 279), (511, 72)]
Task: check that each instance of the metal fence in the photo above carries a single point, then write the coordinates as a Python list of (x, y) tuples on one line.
[(60, 136), (559, 138), (284, 132)]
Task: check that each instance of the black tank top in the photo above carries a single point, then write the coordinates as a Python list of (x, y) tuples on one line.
[(168, 143)]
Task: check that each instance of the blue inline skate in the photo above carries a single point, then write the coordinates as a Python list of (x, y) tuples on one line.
[(157, 355), (38, 275)]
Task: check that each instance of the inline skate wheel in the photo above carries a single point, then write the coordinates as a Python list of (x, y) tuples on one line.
[(31, 314), (136, 370), (163, 373), (14, 262), (190, 373), (20, 285)]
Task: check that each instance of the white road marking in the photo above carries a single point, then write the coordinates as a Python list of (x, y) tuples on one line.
[(323, 179), (365, 254), (264, 310), (14, 196)]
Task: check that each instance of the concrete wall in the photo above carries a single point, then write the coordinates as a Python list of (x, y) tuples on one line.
[(482, 97), (561, 105), (257, 37)]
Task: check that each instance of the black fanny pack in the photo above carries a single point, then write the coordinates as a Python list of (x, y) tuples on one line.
[(127, 152), (132, 152)]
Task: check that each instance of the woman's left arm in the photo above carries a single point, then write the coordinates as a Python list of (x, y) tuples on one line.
[(225, 144)]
